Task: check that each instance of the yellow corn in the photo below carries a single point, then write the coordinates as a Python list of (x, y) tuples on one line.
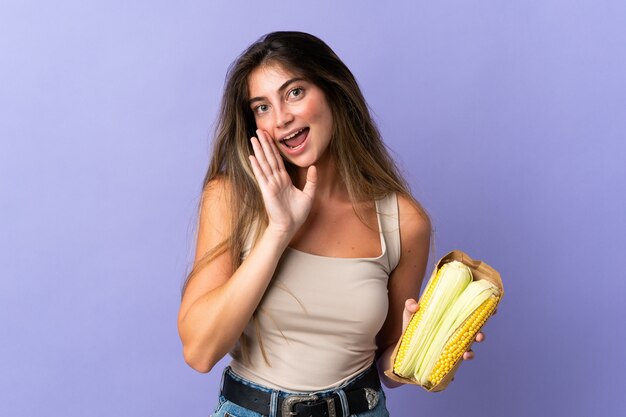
[(452, 310), (460, 341), (415, 320)]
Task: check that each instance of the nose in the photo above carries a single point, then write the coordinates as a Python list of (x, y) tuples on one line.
[(283, 116)]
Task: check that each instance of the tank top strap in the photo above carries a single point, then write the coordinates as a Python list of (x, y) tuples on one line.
[(388, 218)]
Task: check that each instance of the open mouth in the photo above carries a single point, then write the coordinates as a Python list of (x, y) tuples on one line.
[(296, 139)]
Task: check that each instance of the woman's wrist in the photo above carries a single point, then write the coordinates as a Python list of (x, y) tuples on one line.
[(279, 235), (384, 362)]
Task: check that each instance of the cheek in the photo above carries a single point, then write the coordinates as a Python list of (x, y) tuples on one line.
[(261, 123), (323, 117), (325, 121)]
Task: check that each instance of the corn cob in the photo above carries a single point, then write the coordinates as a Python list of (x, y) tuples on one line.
[(461, 340), (454, 278), (417, 317), (452, 310)]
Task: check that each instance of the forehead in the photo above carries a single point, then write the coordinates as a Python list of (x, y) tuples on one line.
[(267, 79)]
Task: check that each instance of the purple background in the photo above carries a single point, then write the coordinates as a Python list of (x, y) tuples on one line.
[(509, 118)]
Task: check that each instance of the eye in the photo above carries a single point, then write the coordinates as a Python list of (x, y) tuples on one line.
[(296, 92), (262, 108)]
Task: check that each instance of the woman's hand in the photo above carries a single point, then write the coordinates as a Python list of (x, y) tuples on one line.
[(287, 207), (411, 306)]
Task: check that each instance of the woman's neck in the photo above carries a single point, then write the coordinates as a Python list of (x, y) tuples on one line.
[(329, 183)]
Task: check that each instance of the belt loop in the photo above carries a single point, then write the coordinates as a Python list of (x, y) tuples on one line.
[(344, 402), (274, 404), (222, 381)]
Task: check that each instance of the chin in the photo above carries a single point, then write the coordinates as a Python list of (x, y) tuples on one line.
[(304, 162)]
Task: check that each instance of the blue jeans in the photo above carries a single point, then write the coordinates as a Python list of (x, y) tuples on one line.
[(226, 408)]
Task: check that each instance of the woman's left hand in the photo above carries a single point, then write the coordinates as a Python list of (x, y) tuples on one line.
[(411, 306)]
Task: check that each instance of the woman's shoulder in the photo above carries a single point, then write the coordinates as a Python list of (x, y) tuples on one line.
[(218, 185), (414, 220), (214, 203), (216, 193)]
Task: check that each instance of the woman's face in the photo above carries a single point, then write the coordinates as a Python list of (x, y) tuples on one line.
[(293, 111)]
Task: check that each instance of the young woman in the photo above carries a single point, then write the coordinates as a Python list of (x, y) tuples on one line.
[(310, 250)]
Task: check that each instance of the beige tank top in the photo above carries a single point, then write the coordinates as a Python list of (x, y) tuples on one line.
[(319, 317)]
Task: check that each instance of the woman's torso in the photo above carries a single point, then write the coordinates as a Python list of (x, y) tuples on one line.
[(317, 322)]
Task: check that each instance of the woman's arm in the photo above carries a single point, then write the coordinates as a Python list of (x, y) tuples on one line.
[(406, 279), (219, 302), (405, 283)]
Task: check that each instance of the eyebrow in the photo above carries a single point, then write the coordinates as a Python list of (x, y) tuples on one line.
[(280, 89)]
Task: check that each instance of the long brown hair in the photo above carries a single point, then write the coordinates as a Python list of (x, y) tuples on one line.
[(363, 162)]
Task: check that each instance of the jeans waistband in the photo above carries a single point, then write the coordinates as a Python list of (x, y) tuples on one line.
[(356, 395)]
